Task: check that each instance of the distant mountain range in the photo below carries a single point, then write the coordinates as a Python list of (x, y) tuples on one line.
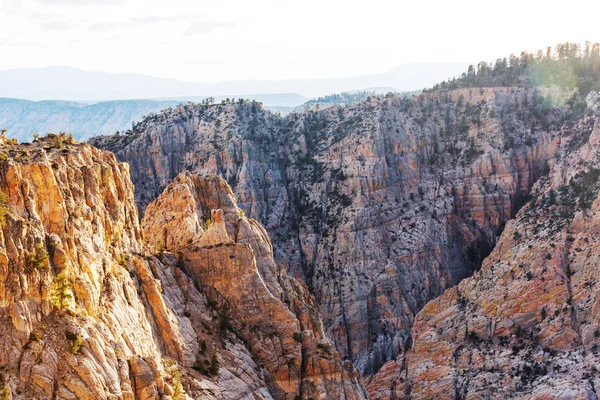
[(66, 83), (64, 99), (22, 118)]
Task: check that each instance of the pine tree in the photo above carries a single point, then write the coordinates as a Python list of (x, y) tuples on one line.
[(62, 291)]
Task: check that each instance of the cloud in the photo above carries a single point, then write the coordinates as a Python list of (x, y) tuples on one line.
[(11, 7), (133, 21), (81, 2), (57, 25), (107, 26), (194, 28), (203, 61), (200, 27), (152, 19), (21, 44), (51, 22)]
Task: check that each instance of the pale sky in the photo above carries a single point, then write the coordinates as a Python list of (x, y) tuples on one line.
[(209, 41)]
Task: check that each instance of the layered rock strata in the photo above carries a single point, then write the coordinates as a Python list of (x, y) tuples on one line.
[(91, 310), (526, 326), (378, 207)]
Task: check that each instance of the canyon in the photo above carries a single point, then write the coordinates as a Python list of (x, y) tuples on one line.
[(378, 207), (434, 246)]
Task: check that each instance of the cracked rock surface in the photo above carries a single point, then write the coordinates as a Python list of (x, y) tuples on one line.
[(379, 207), (527, 324), (91, 308)]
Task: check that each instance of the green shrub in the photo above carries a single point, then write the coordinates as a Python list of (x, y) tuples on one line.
[(3, 208), (180, 260), (298, 337), (35, 336), (177, 386), (37, 259), (199, 367), (212, 303), (324, 347), (214, 365), (5, 394), (58, 142), (516, 236), (76, 341), (473, 337), (224, 321)]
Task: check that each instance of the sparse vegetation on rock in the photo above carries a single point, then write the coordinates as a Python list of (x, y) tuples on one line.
[(62, 291)]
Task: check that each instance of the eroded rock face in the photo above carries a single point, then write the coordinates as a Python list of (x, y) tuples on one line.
[(526, 325), (70, 214), (271, 312), (378, 207), (89, 310)]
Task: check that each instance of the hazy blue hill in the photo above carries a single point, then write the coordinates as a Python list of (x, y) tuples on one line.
[(23, 117), (85, 117), (66, 83)]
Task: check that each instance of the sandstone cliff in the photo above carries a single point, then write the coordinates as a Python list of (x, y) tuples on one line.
[(69, 224), (230, 257), (527, 324), (91, 309), (379, 206)]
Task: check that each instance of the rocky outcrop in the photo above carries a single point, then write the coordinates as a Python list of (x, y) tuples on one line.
[(527, 324), (378, 206), (208, 141), (406, 207), (231, 256), (73, 323), (90, 310)]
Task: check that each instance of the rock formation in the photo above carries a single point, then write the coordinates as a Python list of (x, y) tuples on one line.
[(439, 246), (93, 308), (527, 324), (378, 206), (230, 256)]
